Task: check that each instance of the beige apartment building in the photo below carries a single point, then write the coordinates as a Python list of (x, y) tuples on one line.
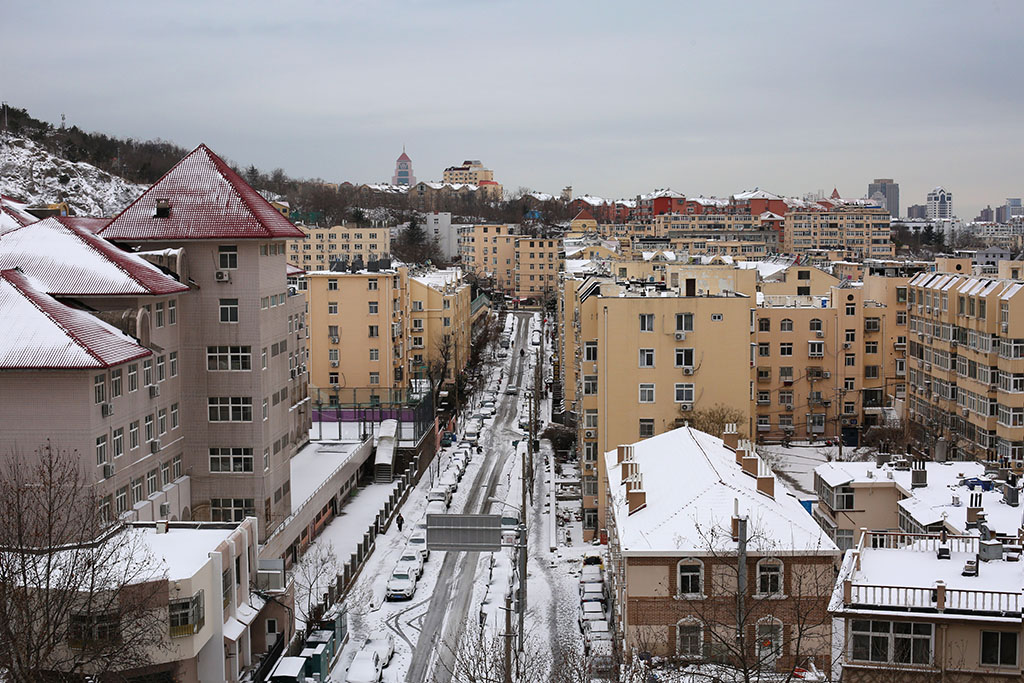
[(855, 231), (489, 251), (374, 331), (643, 357), (930, 607), (538, 263), (470, 171), (321, 246)]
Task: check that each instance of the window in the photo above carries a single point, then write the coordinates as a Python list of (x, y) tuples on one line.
[(176, 466), (690, 639), (786, 349), (230, 460), (228, 358), (589, 385), (684, 358), (172, 312), (173, 361), (263, 357), (230, 409), (227, 257), (229, 310), (769, 642), (115, 383), (101, 450), (332, 285), (646, 428), (871, 347), (815, 325), (161, 421), (646, 393), (118, 442), (786, 325), (174, 416), (684, 393), (99, 389), (901, 317), (590, 351), (159, 316), (769, 577), (374, 354), (332, 308), (895, 642), (121, 500), (374, 331), (133, 377), (647, 358), (371, 284), (152, 479), (149, 427), (187, 616), (447, 321), (872, 371), (684, 322), (844, 539), (764, 350), (848, 383), (764, 325), (231, 510), (373, 307), (136, 490), (999, 648), (161, 368), (90, 630), (647, 322), (816, 349), (374, 378), (764, 398), (803, 275), (691, 577), (850, 360), (851, 336), (133, 435), (590, 419), (844, 498)]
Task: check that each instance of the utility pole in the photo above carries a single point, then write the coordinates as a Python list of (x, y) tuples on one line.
[(508, 637)]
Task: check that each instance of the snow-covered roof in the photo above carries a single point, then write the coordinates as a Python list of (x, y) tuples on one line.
[(660, 194), (767, 268), (182, 552), (756, 193), (42, 333), (580, 266), (207, 199), (439, 279), (13, 214), (691, 483), (593, 201), (68, 259), (709, 201), (541, 196)]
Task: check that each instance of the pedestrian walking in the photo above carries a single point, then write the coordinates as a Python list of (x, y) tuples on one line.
[(399, 521)]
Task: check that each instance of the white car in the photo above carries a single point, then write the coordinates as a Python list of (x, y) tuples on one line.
[(365, 667), (592, 592), (418, 540), (590, 611), (436, 507), (594, 631), (591, 573), (450, 478), (414, 558), (487, 411), (440, 494), (402, 584), (383, 643)]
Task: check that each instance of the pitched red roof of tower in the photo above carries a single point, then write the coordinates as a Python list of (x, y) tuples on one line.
[(835, 193), (42, 333), (584, 215), (207, 201), (65, 258), (404, 157)]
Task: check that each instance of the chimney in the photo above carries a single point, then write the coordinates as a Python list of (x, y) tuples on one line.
[(163, 208), (621, 453), (730, 436), (918, 475), (636, 499), (765, 479), (735, 519), (161, 526), (881, 459), (750, 463), (973, 509)]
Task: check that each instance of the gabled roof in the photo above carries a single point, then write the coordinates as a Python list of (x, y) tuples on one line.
[(404, 157), (42, 333), (207, 201), (584, 215), (13, 214), (67, 259)]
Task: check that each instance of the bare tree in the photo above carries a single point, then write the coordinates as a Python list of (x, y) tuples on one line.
[(312, 575), (79, 595), (713, 420)]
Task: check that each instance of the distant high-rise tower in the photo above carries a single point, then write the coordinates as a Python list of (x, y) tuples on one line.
[(403, 171), (940, 204), (890, 190)]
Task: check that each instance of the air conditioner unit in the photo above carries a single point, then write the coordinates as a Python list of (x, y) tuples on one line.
[(1005, 327), (222, 276), (165, 509), (964, 412), (953, 343), (154, 446), (589, 434), (687, 371), (334, 340), (108, 471), (154, 390), (107, 409), (846, 345), (680, 336), (685, 407), (846, 422), (334, 363), (819, 334), (826, 374), (826, 403), (788, 406)]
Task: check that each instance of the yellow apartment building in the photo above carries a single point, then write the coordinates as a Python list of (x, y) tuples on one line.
[(966, 373), (440, 323), (470, 171), (323, 245), (645, 356), (538, 262), (490, 251), (856, 231)]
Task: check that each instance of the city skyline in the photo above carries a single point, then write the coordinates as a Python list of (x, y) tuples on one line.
[(733, 99)]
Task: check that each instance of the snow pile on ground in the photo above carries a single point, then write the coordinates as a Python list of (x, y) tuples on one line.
[(30, 173)]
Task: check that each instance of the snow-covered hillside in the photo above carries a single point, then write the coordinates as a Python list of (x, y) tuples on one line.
[(29, 172)]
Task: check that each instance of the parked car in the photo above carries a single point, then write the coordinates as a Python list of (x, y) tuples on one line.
[(402, 584), (486, 411), (602, 660), (436, 507), (440, 493), (447, 439), (365, 667), (383, 643), (593, 557), (591, 573), (418, 540), (414, 558), (512, 390), (592, 592), (450, 478), (594, 631), (590, 611)]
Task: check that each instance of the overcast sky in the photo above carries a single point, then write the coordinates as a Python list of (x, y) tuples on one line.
[(613, 98)]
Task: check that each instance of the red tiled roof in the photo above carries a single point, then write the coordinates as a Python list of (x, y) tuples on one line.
[(13, 214), (404, 157), (67, 259), (93, 225), (208, 201), (584, 215), (42, 333)]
